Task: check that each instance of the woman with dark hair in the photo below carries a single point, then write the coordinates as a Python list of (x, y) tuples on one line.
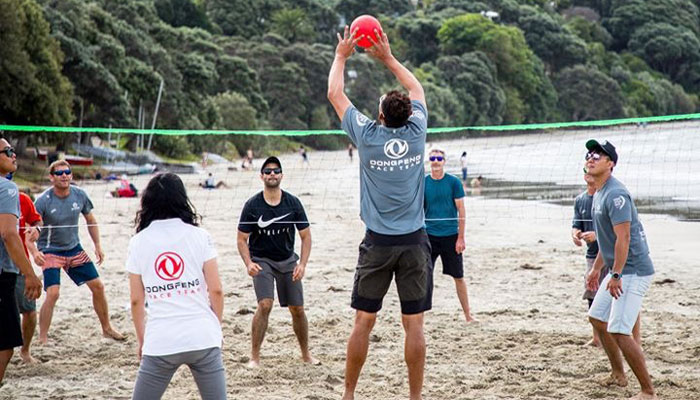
[(172, 267)]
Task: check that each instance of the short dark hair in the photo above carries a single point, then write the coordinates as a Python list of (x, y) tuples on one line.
[(396, 108), (165, 197)]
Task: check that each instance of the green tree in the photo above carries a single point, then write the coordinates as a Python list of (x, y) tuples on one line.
[(587, 94), (665, 47), (293, 25), (182, 13)]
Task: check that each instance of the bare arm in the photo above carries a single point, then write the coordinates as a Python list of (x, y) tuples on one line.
[(336, 77), (94, 232), (461, 225), (138, 307), (622, 246), (300, 269), (242, 244), (576, 236), (13, 245), (382, 52), (216, 293)]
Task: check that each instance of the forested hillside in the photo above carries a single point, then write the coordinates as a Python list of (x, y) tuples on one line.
[(253, 64)]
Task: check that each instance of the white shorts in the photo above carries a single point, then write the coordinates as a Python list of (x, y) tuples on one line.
[(621, 313)]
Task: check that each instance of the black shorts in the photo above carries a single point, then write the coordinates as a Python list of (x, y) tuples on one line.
[(379, 263), (444, 247), (10, 328)]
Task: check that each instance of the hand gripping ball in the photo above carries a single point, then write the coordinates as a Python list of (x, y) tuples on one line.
[(365, 25)]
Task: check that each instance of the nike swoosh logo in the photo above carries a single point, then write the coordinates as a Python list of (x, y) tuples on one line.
[(265, 224)]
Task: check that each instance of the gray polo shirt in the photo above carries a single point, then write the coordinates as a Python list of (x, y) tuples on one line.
[(9, 204), (391, 170), (583, 205), (60, 216), (613, 205)]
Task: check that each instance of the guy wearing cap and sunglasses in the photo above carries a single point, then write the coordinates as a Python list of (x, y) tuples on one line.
[(622, 248), (59, 247), (445, 224), (266, 245), (13, 260)]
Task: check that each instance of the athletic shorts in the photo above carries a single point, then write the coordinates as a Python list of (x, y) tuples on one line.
[(621, 313), (444, 247), (23, 303), (590, 294), (75, 262), (10, 328), (409, 264), (289, 292)]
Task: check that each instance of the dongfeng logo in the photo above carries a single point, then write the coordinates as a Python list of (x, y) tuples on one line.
[(169, 266), (619, 202), (395, 148)]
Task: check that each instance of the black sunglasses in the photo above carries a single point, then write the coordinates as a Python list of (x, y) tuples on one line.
[(61, 172), (436, 158), (9, 151), (593, 155), (268, 171)]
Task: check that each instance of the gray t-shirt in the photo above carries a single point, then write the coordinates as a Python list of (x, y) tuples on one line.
[(60, 216), (9, 204), (391, 170), (613, 205), (583, 205)]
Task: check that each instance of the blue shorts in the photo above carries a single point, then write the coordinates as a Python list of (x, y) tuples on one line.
[(75, 262)]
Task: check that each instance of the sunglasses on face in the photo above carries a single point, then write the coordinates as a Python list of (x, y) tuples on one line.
[(268, 171), (436, 158), (61, 172), (8, 151), (593, 156)]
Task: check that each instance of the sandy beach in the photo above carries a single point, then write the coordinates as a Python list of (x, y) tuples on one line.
[(524, 276)]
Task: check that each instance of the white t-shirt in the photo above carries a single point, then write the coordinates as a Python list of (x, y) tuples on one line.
[(169, 255), (463, 160)]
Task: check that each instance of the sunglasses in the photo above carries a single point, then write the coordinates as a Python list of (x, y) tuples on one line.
[(591, 155), (8, 151), (436, 158), (268, 171), (61, 172)]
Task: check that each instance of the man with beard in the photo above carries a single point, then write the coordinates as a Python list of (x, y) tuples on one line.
[(266, 245)]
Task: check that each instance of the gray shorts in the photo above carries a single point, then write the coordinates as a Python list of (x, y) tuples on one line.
[(289, 293), (590, 294), (23, 303)]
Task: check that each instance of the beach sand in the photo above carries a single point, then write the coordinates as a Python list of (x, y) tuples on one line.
[(525, 282)]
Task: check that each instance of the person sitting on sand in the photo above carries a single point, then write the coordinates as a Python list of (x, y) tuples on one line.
[(210, 183), (125, 189), (184, 293), (59, 247)]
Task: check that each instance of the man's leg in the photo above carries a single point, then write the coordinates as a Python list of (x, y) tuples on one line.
[(5, 357), (613, 352), (258, 330), (637, 330), (99, 303), (301, 330), (461, 286), (414, 353), (28, 328), (635, 358), (46, 312), (358, 345)]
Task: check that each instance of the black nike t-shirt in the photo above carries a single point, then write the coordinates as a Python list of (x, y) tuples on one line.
[(271, 228)]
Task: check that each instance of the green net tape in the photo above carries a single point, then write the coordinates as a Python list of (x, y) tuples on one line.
[(179, 132)]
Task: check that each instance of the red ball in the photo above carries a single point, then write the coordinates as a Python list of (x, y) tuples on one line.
[(366, 24)]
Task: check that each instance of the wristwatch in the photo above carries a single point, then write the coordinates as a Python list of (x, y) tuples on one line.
[(616, 276)]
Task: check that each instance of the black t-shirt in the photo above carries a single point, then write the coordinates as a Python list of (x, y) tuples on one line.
[(271, 228)]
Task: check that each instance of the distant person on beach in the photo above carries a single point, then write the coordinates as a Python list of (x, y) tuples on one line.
[(29, 223), (211, 183), (350, 150), (59, 247), (13, 261), (463, 163), (445, 224), (172, 267), (622, 248), (304, 156), (476, 184), (266, 244), (391, 185), (205, 159), (125, 189)]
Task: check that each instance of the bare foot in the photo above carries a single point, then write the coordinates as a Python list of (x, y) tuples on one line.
[(311, 360), (612, 380), (112, 334), (644, 396), (43, 340), (253, 364), (27, 358), (593, 343), (471, 319)]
